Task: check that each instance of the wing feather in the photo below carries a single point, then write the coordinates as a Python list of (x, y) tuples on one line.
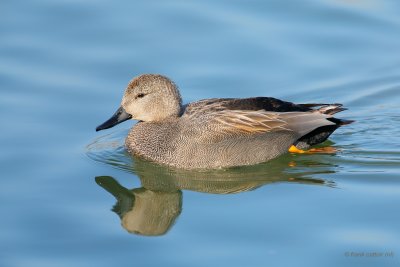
[(249, 122), (219, 116)]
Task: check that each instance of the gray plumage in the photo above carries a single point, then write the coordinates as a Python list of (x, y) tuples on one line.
[(215, 133)]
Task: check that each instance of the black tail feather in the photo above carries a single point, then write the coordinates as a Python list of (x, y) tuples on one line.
[(340, 122), (320, 134)]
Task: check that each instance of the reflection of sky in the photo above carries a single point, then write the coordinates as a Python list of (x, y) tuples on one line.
[(365, 237)]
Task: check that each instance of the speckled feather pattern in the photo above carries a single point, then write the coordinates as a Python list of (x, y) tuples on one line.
[(186, 145), (219, 132)]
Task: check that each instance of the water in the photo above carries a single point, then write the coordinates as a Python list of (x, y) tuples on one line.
[(63, 69)]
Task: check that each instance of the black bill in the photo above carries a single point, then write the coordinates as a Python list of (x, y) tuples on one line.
[(119, 116)]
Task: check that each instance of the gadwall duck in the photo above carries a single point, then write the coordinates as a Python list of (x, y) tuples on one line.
[(218, 132)]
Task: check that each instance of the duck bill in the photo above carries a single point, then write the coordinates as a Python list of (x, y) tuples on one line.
[(119, 116)]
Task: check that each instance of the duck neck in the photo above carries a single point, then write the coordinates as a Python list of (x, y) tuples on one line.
[(167, 114), (172, 108)]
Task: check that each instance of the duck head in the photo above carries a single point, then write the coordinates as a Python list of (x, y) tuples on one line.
[(148, 97)]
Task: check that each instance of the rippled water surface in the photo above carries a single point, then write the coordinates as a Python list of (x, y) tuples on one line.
[(73, 197)]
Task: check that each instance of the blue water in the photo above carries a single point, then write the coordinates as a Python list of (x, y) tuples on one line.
[(63, 68)]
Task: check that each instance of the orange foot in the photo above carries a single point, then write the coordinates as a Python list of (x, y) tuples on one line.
[(325, 150)]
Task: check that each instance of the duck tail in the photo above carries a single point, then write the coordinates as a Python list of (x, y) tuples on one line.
[(323, 108), (340, 122), (322, 133), (331, 109), (328, 109)]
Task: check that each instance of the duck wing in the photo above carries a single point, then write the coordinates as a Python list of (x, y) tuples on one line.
[(247, 121), (224, 118), (258, 103), (261, 121), (256, 115), (254, 103)]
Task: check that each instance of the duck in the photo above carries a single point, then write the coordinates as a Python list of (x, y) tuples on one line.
[(217, 132)]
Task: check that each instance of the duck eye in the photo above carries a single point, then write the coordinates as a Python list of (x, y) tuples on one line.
[(140, 95)]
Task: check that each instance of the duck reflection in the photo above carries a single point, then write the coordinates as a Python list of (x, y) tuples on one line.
[(143, 211), (153, 208)]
